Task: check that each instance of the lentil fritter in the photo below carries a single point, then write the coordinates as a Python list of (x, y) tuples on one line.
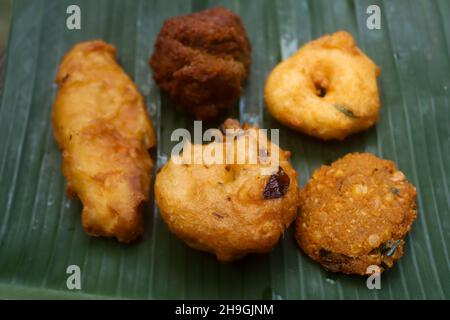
[(356, 213)]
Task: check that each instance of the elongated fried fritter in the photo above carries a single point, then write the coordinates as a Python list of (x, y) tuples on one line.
[(102, 127)]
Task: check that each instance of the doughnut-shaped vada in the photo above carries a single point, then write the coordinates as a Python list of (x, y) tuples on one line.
[(327, 89), (229, 210), (356, 213)]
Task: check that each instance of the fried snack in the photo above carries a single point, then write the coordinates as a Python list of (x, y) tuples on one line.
[(356, 213), (101, 124), (328, 89), (229, 210), (202, 60)]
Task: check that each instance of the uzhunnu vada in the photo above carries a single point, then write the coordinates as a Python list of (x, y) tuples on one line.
[(202, 60), (356, 213), (229, 210), (327, 89)]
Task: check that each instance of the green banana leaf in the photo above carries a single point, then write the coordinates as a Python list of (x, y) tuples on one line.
[(40, 228)]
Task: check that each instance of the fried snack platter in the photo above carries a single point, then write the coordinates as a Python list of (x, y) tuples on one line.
[(229, 207), (290, 141)]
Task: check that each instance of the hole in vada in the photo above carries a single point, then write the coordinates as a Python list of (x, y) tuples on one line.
[(321, 91), (320, 80)]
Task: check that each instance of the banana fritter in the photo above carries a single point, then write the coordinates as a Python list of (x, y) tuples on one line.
[(202, 60), (356, 213), (104, 131), (229, 210), (327, 89)]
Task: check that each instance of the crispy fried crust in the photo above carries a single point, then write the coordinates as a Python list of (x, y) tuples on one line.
[(356, 213), (327, 89), (202, 60), (104, 131), (228, 210)]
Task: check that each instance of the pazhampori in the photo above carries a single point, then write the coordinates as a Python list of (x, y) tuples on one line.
[(101, 124)]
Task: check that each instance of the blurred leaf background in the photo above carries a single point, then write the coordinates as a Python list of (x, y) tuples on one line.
[(5, 15)]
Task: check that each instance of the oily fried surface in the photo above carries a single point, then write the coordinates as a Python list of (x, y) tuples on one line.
[(202, 60), (104, 131), (356, 213), (228, 210), (327, 89)]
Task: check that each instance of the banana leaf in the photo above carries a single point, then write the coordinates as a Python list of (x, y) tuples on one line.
[(40, 229)]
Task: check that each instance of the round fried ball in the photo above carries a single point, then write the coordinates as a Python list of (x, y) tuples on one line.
[(328, 89), (202, 60), (229, 210), (356, 213)]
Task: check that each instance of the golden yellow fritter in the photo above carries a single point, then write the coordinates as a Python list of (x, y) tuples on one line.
[(101, 124), (356, 213), (229, 210), (327, 89)]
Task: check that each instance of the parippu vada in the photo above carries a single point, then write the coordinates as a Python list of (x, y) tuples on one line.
[(327, 89), (101, 125), (202, 60), (229, 210), (356, 213)]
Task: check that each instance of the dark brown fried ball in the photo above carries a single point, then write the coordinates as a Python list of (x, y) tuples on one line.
[(202, 60), (356, 213)]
